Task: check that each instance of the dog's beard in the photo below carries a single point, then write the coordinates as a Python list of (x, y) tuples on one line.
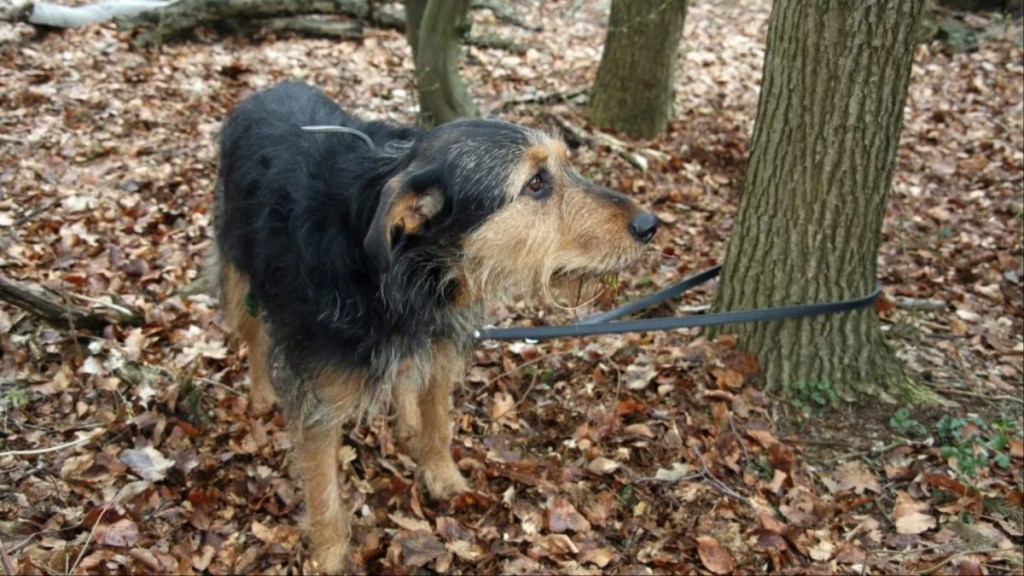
[(548, 284), (576, 290)]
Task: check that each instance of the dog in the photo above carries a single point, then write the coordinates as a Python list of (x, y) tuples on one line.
[(356, 265)]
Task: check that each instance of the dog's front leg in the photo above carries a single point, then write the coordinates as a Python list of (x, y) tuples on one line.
[(424, 422), (329, 514)]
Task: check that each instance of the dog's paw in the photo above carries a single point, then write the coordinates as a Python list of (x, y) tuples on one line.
[(261, 405), (330, 559), (443, 481), (261, 398)]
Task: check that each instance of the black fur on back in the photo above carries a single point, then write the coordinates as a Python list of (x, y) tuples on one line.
[(294, 208)]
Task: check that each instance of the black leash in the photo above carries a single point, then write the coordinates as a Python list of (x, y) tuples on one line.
[(602, 323)]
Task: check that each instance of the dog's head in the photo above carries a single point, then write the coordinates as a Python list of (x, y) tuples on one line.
[(506, 205)]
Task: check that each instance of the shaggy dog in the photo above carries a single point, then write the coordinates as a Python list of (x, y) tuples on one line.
[(355, 265)]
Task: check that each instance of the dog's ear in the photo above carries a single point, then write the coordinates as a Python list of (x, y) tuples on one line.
[(407, 203)]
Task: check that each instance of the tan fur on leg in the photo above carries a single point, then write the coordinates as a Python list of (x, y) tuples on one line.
[(234, 288), (407, 404), (329, 515), (426, 422)]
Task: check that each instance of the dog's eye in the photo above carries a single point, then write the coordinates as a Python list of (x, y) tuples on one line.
[(537, 187)]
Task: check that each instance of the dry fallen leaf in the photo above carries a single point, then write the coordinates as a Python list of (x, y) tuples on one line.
[(415, 548), (561, 516), (558, 544), (601, 465), (1016, 448), (503, 410), (716, 558), (121, 534), (910, 516), (411, 524), (598, 556), (853, 475), (679, 471), (823, 550), (147, 462)]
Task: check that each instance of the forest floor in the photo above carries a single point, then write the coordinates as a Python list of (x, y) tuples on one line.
[(130, 450)]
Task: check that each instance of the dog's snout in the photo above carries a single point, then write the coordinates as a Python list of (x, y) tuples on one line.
[(643, 226)]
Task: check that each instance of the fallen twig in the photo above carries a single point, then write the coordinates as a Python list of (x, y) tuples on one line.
[(926, 304), (869, 452), (12, 139), (522, 399), (544, 98), (92, 531), (957, 555), (56, 448), (968, 393), (64, 314), (305, 27), (503, 13), (33, 213), (496, 42), (636, 158), (716, 483), (121, 310), (8, 565)]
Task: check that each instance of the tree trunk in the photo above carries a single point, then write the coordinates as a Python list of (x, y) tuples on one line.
[(815, 192), (633, 91), (443, 96), (414, 10)]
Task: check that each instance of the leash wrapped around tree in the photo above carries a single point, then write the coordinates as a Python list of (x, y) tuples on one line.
[(603, 323)]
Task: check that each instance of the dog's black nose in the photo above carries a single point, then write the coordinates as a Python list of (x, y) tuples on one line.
[(643, 226)]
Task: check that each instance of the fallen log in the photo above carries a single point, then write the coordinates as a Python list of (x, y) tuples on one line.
[(306, 27), (62, 312), (182, 17), (158, 21), (58, 16)]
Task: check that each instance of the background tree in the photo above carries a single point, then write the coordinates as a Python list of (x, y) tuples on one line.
[(816, 188), (633, 90), (434, 28)]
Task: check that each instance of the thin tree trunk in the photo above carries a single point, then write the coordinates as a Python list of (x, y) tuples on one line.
[(633, 90), (816, 189), (414, 10), (443, 96)]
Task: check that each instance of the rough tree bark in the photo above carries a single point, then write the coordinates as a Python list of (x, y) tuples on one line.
[(810, 216), (633, 90), (414, 10), (441, 23)]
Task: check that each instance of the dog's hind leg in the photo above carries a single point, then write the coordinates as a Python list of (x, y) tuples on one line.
[(248, 326), (261, 392), (424, 422)]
